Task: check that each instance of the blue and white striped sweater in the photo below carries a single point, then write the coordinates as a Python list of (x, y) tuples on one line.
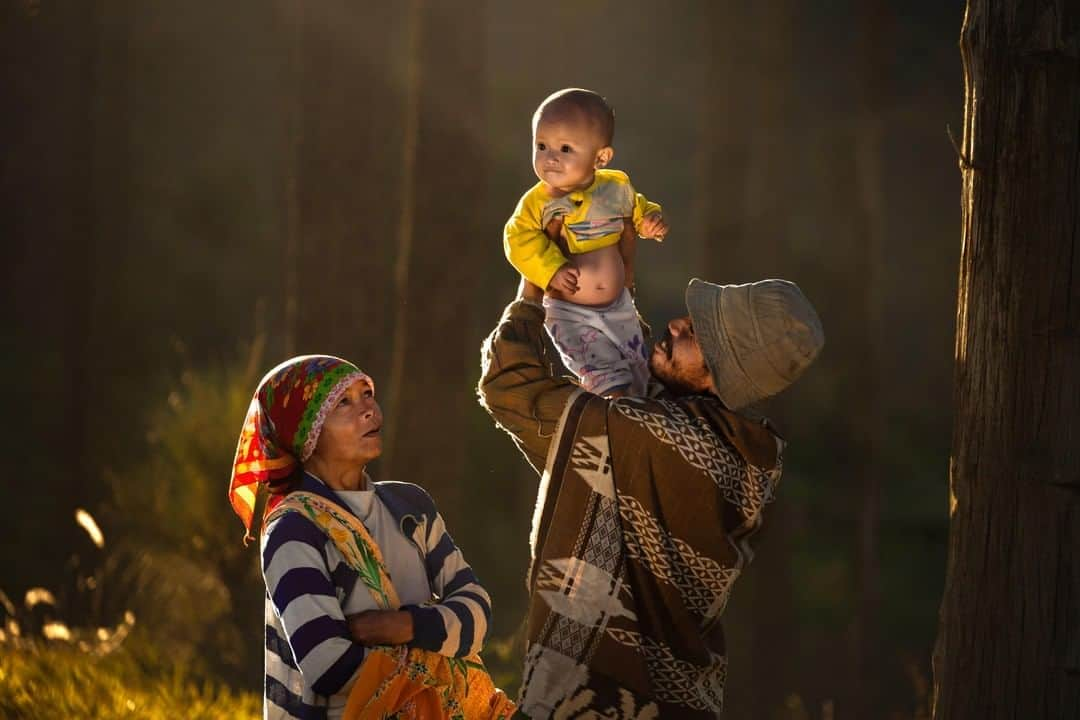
[(310, 659)]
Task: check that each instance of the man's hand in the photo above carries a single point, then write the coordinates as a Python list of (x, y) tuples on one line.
[(554, 231), (565, 280), (653, 226), (529, 291), (381, 627)]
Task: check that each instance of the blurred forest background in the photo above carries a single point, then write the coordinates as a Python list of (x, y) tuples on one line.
[(193, 191)]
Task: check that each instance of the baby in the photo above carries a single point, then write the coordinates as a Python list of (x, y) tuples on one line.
[(573, 236)]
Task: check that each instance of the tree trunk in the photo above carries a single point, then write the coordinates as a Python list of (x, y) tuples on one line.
[(56, 225), (768, 185), (868, 427), (406, 222), (1009, 638), (75, 237), (340, 181), (722, 160), (436, 397), (749, 136), (291, 17)]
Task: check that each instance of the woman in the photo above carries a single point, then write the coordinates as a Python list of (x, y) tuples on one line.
[(343, 640)]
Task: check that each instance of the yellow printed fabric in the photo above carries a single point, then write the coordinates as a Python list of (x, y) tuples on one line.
[(397, 681), (402, 683), (592, 219)]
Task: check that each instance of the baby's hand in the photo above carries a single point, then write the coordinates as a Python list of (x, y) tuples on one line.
[(565, 280), (653, 226)]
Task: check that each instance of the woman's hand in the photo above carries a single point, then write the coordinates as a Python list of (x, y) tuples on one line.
[(381, 627)]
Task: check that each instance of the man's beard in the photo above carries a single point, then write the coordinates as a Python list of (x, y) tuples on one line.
[(672, 375)]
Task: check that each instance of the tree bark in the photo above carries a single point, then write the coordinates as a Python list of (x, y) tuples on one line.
[(1009, 637)]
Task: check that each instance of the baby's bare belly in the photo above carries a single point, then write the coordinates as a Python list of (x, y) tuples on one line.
[(601, 277)]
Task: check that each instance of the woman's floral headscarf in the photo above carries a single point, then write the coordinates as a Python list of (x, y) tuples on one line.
[(283, 424)]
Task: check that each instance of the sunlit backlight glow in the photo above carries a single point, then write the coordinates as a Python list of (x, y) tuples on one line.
[(38, 596), (56, 631), (109, 640), (6, 603), (87, 522)]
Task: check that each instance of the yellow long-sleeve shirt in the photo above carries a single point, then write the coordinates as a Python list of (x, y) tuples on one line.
[(592, 219)]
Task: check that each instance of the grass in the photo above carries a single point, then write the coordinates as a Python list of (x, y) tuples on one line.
[(51, 680)]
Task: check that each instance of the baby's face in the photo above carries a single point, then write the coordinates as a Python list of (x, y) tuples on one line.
[(566, 153)]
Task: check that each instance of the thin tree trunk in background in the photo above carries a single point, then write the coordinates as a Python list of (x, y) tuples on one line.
[(75, 234), (438, 369), (768, 184), (745, 173), (1009, 638), (52, 228), (110, 186), (722, 160), (721, 169), (291, 19), (748, 140), (403, 259), (112, 163), (345, 174), (769, 188), (873, 53)]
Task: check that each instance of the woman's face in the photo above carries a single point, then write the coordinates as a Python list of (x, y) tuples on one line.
[(352, 432)]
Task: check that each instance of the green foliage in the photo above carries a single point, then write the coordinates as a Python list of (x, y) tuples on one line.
[(502, 657), (178, 560), (57, 680), (172, 565)]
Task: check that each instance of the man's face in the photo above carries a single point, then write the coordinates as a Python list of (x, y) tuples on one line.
[(677, 360)]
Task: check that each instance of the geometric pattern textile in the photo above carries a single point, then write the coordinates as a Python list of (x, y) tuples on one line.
[(704, 584), (701, 447), (677, 681)]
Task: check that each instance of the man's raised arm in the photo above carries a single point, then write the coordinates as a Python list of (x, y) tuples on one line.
[(520, 385)]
